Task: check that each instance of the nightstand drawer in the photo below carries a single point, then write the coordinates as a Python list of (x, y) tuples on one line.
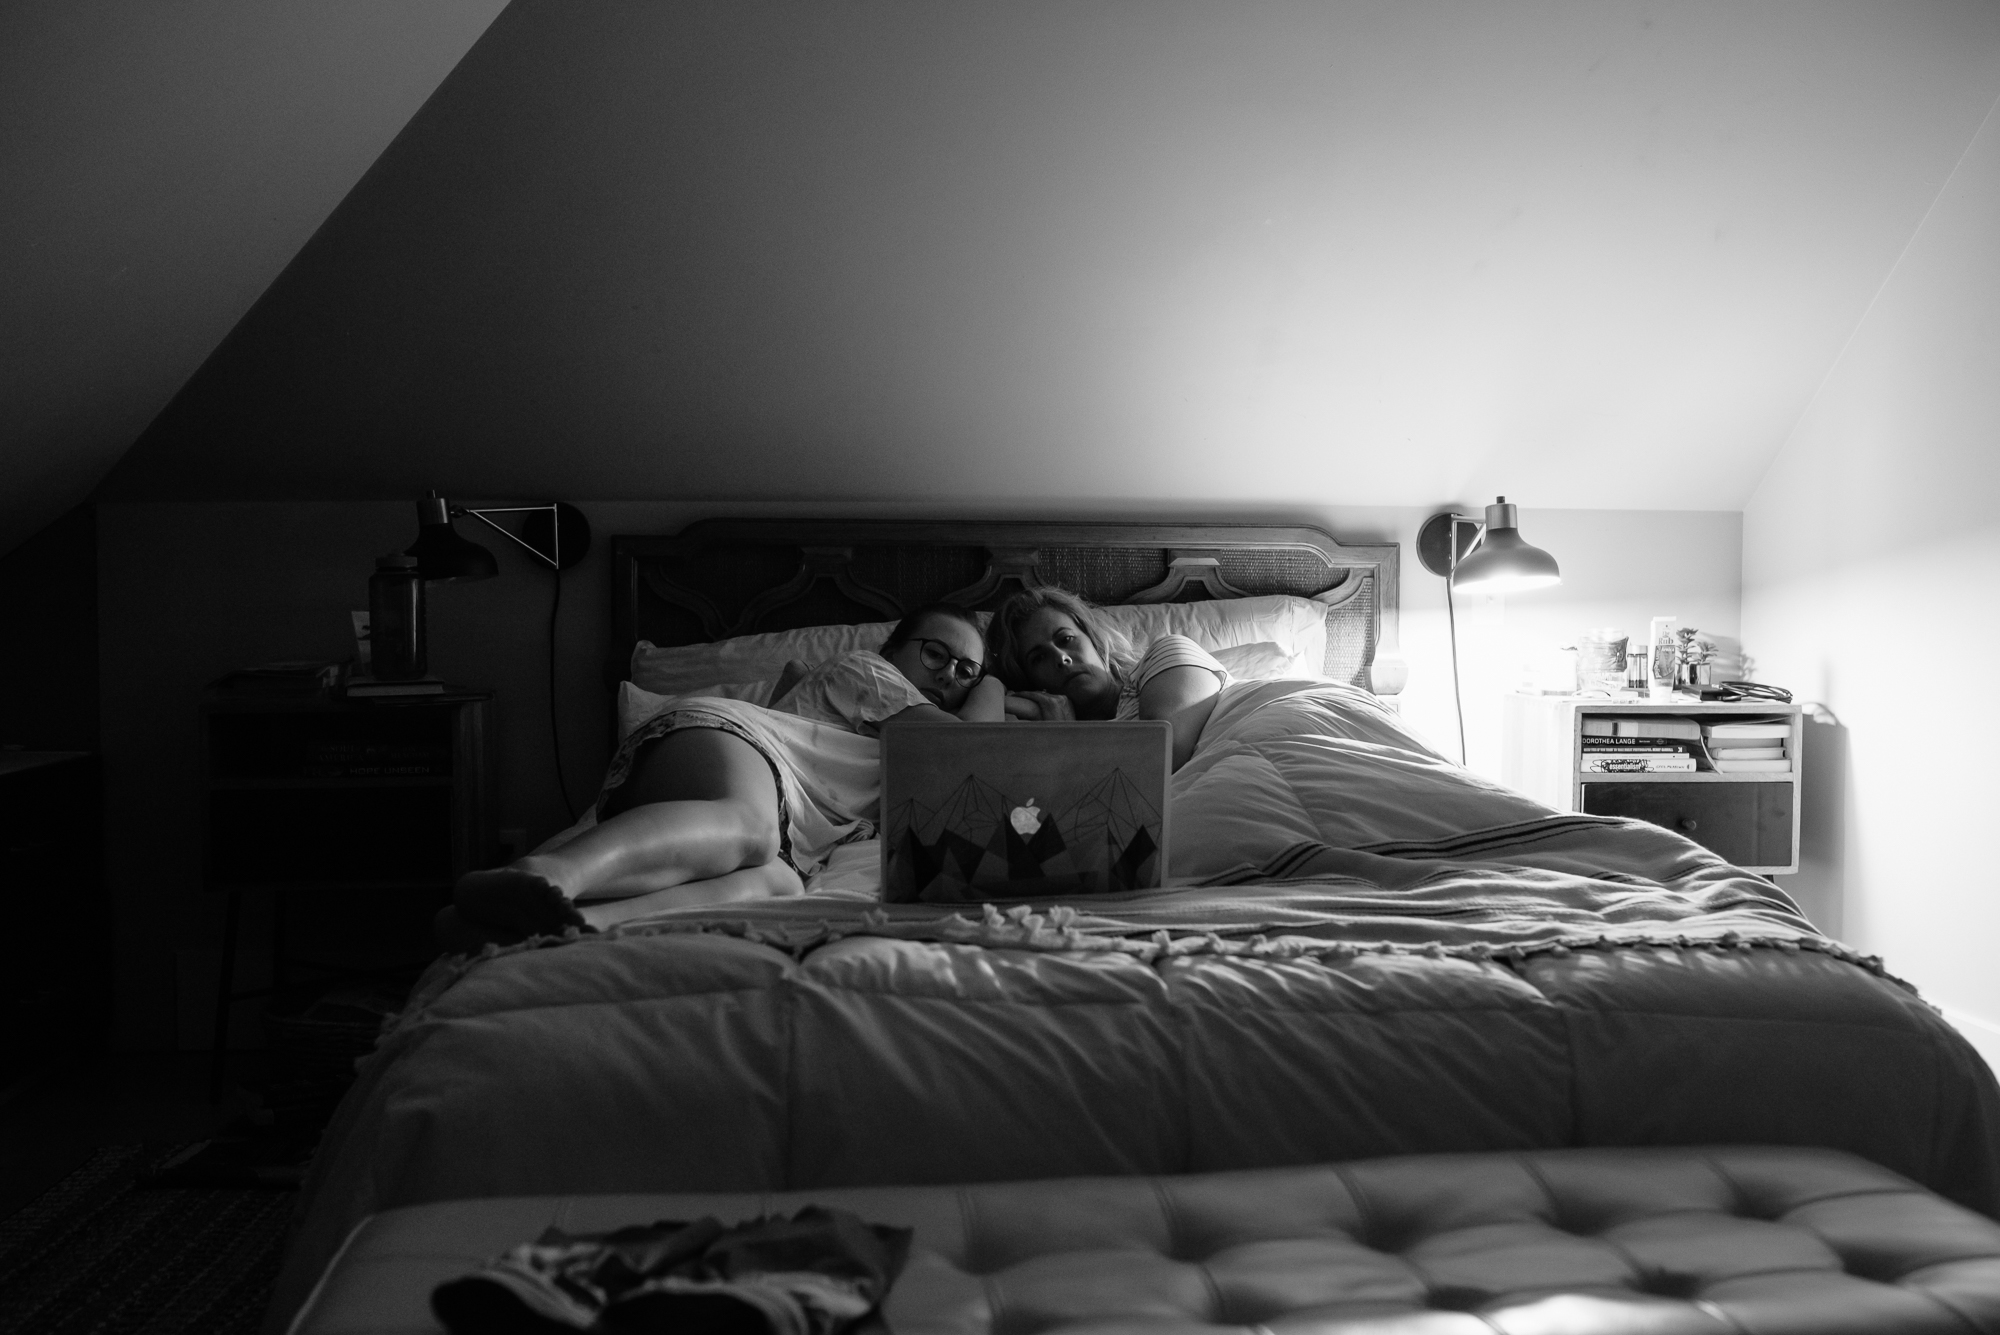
[(306, 836), (1747, 823), (352, 743)]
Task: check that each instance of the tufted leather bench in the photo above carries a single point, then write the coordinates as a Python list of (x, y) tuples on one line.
[(1744, 1240)]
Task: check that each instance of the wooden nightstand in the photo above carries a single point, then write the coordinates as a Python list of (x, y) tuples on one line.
[(1751, 820), (385, 802)]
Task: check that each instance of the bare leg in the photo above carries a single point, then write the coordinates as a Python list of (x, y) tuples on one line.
[(773, 880), (699, 804)]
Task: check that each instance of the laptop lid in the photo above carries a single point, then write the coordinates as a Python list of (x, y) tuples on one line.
[(1017, 810)]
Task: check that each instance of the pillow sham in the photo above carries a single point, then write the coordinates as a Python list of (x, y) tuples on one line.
[(696, 669), (1295, 626)]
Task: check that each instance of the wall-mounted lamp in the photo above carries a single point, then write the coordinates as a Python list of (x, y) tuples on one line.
[(1488, 558), (556, 534), (1491, 557)]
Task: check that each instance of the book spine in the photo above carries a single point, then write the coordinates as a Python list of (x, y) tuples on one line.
[(1628, 745), (1641, 764), (1650, 748)]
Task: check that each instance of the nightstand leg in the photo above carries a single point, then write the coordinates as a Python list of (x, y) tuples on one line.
[(225, 998)]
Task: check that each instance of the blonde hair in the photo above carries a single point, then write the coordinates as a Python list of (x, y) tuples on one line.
[(1005, 652)]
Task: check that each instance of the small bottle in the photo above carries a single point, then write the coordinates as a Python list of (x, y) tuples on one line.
[(396, 636)]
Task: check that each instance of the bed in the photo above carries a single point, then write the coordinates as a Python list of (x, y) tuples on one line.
[(1367, 950)]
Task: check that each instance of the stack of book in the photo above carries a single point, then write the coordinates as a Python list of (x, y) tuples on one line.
[(294, 679), (1750, 747), (1645, 744)]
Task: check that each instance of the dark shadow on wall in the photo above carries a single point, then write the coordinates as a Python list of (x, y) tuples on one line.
[(48, 607), (1820, 885)]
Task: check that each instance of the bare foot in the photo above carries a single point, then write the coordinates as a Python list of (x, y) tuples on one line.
[(520, 896), (457, 934)]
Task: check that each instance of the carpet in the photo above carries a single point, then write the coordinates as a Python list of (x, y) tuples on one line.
[(104, 1253)]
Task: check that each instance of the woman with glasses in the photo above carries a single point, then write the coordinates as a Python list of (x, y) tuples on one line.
[(709, 801), (934, 657)]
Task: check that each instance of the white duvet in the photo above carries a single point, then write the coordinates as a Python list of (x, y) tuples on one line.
[(1281, 762)]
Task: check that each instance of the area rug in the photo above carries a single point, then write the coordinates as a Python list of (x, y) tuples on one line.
[(101, 1253)]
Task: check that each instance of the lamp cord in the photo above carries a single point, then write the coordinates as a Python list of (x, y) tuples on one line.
[(555, 729), (1457, 703)]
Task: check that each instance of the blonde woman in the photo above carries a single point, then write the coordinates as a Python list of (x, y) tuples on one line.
[(1063, 659)]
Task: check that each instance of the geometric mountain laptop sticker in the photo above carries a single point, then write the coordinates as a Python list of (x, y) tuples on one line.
[(971, 815)]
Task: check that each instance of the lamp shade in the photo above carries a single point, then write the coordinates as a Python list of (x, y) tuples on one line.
[(441, 553), (1502, 561)]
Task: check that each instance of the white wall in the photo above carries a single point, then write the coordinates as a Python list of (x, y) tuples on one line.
[(1596, 254), (1871, 560), (1620, 567), (192, 590)]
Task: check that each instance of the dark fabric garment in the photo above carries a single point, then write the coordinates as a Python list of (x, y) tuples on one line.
[(817, 1273)]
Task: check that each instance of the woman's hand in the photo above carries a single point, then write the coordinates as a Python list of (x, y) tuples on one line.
[(1039, 707)]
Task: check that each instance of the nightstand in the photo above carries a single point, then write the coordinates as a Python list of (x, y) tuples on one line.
[(377, 804), (1751, 820)]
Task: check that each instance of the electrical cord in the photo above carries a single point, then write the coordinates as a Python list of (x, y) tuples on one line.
[(1753, 690), (555, 729), (1457, 702)]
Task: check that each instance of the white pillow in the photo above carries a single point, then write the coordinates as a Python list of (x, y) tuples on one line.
[(1263, 661), (1296, 626), (696, 669)]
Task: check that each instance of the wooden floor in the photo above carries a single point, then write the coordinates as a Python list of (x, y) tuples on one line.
[(51, 1119)]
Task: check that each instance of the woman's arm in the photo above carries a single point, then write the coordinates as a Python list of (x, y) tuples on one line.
[(986, 703), (1184, 697)]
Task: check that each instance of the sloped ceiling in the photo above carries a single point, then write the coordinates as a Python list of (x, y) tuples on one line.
[(1188, 253), (160, 163)]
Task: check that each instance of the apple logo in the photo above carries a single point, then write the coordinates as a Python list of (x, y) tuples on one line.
[(1026, 819)]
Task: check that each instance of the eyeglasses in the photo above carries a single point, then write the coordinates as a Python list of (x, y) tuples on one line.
[(936, 653)]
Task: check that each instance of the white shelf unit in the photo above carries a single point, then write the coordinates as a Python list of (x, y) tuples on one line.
[(1750, 819)]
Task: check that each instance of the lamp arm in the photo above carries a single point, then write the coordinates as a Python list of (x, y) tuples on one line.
[(1468, 520), (553, 563)]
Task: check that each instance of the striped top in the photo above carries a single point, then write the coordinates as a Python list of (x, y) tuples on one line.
[(1169, 651)]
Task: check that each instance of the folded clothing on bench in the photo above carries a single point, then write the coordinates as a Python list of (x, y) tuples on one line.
[(816, 1273)]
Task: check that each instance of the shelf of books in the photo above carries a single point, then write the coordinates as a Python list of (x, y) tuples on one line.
[(1725, 775), (1682, 747)]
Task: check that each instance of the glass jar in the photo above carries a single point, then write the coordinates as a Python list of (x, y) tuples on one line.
[(1666, 663), (396, 635)]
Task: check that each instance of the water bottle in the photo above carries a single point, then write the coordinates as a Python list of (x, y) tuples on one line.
[(396, 619)]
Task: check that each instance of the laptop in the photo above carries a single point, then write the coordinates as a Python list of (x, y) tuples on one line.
[(983, 811)]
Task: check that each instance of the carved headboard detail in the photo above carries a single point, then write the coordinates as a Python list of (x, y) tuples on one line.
[(723, 577)]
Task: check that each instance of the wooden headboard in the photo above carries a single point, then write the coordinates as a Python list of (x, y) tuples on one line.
[(723, 577)]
